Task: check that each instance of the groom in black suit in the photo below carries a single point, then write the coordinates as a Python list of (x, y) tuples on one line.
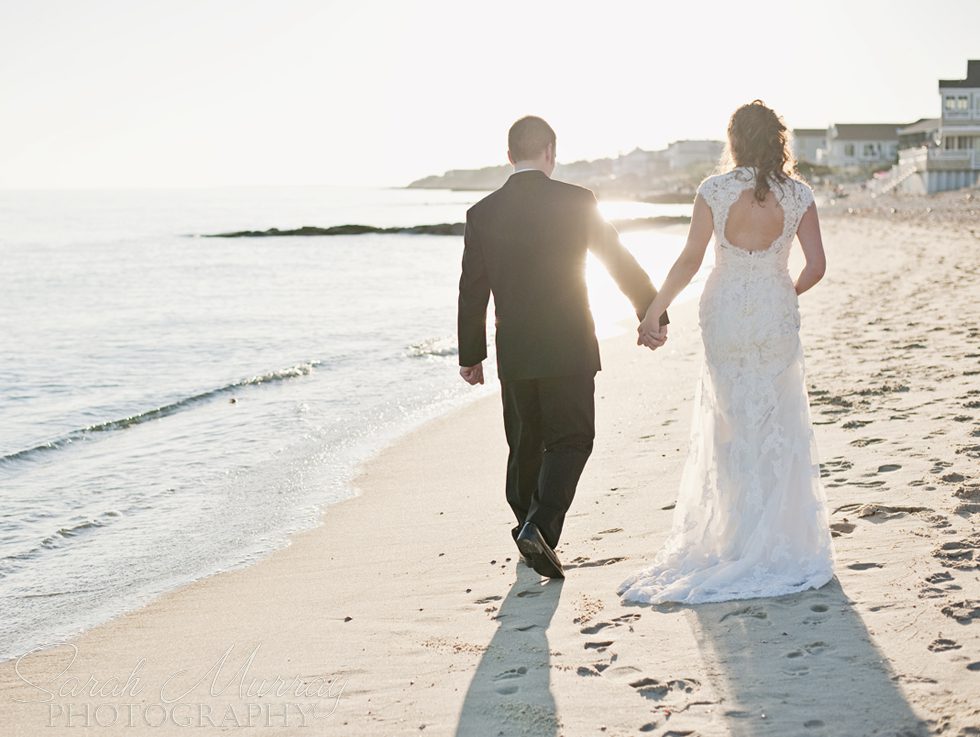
[(527, 244)]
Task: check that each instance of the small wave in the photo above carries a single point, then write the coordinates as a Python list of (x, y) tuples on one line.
[(301, 369), (438, 347)]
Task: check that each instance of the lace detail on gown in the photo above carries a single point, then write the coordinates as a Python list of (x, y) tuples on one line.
[(751, 517)]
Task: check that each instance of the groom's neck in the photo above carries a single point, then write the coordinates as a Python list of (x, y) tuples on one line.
[(532, 164)]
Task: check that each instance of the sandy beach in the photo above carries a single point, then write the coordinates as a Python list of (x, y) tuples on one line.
[(407, 613)]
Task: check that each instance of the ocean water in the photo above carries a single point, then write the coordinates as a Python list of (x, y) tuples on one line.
[(173, 406)]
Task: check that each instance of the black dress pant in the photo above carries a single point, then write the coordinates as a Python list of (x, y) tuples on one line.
[(550, 426)]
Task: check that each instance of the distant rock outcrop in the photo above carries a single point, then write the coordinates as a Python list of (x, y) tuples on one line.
[(485, 179), (440, 229)]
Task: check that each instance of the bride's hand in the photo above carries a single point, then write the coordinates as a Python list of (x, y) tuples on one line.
[(651, 333)]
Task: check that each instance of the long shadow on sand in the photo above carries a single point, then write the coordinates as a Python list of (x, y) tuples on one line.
[(801, 665), (511, 689)]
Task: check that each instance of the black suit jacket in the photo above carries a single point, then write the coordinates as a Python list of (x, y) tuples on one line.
[(527, 244)]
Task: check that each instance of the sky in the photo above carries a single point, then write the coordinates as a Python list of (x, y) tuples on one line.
[(177, 93)]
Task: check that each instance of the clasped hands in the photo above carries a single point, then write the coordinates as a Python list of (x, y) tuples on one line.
[(650, 332)]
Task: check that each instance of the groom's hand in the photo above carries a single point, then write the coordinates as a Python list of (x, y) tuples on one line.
[(652, 339), (472, 374)]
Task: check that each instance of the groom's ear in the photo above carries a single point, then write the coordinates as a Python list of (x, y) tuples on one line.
[(510, 157)]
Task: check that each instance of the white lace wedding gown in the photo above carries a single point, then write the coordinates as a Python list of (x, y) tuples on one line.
[(751, 517)]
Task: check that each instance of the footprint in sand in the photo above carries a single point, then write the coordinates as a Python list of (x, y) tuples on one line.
[(864, 442), (527, 627), (855, 424), (842, 528), (888, 468), (941, 645), (753, 612), (583, 562), (651, 688), (975, 666), (796, 666), (819, 608), (963, 612), (616, 622), (487, 599), (835, 465), (865, 566), (960, 554), (812, 723), (528, 594), (505, 681), (599, 647)]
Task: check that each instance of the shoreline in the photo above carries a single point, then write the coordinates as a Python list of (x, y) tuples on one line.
[(360, 455), (410, 589)]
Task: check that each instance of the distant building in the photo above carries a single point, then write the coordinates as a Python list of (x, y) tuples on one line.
[(923, 132), (640, 163), (682, 155), (860, 145), (807, 142), (951, 159)]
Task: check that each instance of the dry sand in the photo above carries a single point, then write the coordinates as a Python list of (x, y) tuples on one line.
[(409, 604)]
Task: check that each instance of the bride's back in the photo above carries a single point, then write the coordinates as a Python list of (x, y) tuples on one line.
[(744, 224), (752, 225)]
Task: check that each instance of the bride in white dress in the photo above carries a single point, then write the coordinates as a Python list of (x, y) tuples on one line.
[(751, 516)]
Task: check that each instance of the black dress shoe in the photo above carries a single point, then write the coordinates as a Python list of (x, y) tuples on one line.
[(513, 533), (539, 554)]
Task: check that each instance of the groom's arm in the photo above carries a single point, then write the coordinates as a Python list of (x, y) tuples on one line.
[(633, 281), (474, 294)]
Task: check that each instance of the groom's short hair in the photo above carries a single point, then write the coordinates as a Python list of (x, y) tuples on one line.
[(529, 137)]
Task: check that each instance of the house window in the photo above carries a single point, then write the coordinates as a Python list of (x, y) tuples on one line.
[(956, 104), (870, 150), (949, 143), (848, 149)]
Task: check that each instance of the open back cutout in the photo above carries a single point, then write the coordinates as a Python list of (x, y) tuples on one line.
[(754, 226)]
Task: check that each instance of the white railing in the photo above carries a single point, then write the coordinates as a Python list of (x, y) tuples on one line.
[(920, 157), (892, 178)]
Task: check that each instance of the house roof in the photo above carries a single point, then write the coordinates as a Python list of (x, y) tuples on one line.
[(867, 131), (922, 125), (972, 76), (800, 132)]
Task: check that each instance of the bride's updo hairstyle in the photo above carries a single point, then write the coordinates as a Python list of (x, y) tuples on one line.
[(757, 137)]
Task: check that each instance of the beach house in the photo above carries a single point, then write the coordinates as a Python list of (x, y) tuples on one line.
[(807, 143), (856, 146), (949, 159), (684, 155)]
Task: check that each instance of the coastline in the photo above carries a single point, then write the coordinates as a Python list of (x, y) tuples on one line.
[(422, 555)]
